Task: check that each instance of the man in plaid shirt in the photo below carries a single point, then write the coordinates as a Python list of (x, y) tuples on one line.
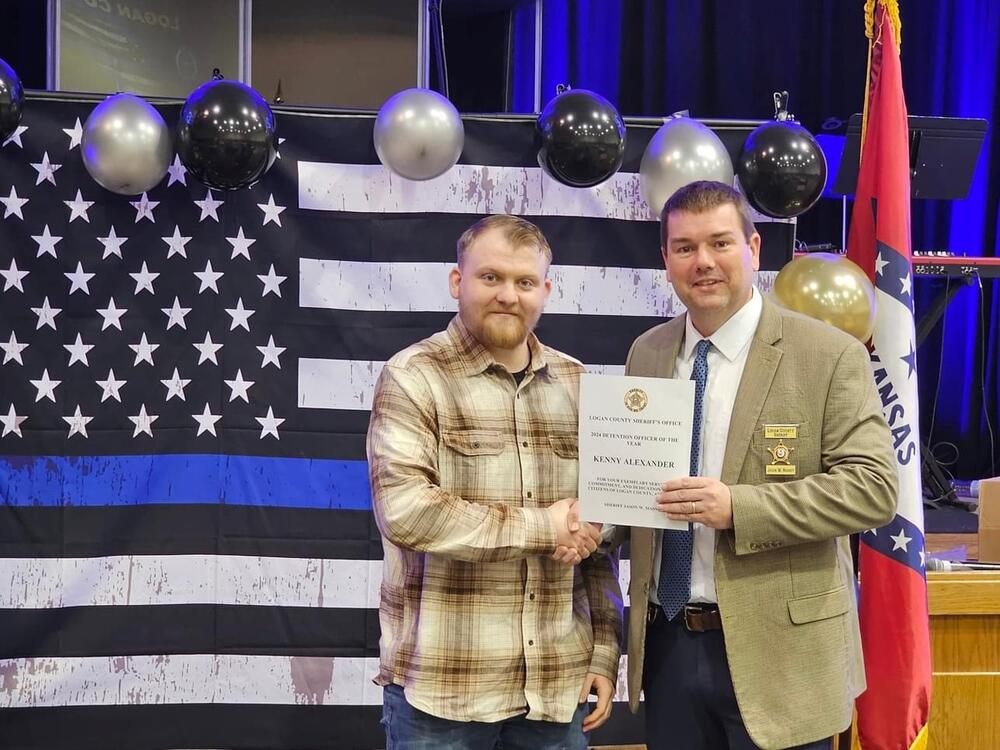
[(486, 637)]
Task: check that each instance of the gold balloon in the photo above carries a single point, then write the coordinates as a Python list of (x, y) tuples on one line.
[(830, 288)]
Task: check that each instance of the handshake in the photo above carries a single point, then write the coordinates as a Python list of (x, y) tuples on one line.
[(575, 539)]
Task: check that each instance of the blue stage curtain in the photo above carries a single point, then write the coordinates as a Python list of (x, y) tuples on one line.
[(724, 58)]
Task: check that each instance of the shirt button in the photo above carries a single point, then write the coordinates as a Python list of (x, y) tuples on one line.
[(531, 643), (525, 444), (475, 445), (531, 596), (529, 494)]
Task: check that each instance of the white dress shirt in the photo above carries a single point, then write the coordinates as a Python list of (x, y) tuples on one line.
[(726, 359)]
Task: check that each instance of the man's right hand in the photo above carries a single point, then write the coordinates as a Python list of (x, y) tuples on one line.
[(575, 540)]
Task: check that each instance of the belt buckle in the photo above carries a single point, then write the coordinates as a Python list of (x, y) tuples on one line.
[(692, 619)]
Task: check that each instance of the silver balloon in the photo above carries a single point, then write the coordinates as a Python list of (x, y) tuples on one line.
[(126, 145), (418, 134), (682, 151)]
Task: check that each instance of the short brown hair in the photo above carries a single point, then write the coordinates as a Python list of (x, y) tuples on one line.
[(705, 195), (517, 231)]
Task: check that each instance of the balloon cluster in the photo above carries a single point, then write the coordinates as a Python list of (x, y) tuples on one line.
[(226, 136)]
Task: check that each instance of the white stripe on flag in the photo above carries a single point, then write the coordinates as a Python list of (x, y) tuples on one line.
[(188, 678), (467, 189), (422, 287), (42, 583), (349, 383), (47, 682), (51, 582)]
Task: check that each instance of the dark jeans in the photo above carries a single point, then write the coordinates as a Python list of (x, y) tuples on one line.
[(690, 700), (406, 728)]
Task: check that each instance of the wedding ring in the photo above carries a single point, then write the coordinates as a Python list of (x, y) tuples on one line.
[(693, 511)]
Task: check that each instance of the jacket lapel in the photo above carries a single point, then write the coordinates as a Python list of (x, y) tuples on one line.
[(758, 374)]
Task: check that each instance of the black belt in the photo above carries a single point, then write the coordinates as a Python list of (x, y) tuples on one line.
[(697, 618)]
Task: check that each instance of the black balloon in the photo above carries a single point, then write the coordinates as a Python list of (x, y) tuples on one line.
[(581, 138), (11, 100), (226, 135), (782, 169)]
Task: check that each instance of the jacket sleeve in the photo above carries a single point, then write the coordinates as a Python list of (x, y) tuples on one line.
[(857, 487), (411, 509)]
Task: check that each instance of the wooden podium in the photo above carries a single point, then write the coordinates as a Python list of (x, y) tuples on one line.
[(965, 657)]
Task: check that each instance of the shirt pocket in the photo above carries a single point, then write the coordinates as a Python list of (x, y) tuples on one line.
[(473, 464), (565, 446)]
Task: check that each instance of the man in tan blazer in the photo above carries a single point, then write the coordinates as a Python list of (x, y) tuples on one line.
[(744, 629)]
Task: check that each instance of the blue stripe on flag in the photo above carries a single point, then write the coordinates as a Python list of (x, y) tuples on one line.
[(184, 478)]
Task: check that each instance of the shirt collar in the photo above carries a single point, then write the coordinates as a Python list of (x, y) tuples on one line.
[(474, 358), (734, 335)]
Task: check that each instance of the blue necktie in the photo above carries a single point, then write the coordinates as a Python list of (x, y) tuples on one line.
[(674, 588)]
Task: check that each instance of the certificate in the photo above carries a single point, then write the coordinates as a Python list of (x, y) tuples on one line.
[(635, 434)]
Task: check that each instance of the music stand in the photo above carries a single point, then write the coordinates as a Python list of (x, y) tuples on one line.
[(943, 155)]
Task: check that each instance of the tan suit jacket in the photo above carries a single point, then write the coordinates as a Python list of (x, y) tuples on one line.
[(783, 574)]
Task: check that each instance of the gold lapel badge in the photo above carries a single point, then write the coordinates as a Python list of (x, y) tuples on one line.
[(781, 454)]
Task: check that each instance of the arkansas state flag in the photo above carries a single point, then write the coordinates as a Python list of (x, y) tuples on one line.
[(892, 712)]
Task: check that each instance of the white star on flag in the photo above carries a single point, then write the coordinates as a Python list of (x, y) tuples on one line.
[(144, 208), (79, 279), (207, 350), (209, 207), (240, 316), (77, 423), (176, 243), (208, 277), (112, 244), (269, 424), (46, 243), (110, 387), (175, 315), (143, 350), (238, 387), (880, 264), (176, 385), (12, 350), (144, 279), (899, 541), (78, 351), (143, 422), (271, 353), (12, 204), (206, 421), (12, 422), (272, 282), (46, 387), (241, 245), (78, 208), (46, 314), (904, 284), (12, 277), (272, 211), (15, 137), (46, 170), (112, 315), (177, 172), (75, 134)]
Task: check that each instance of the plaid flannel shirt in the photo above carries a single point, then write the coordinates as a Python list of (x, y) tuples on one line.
[(478, 624)]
